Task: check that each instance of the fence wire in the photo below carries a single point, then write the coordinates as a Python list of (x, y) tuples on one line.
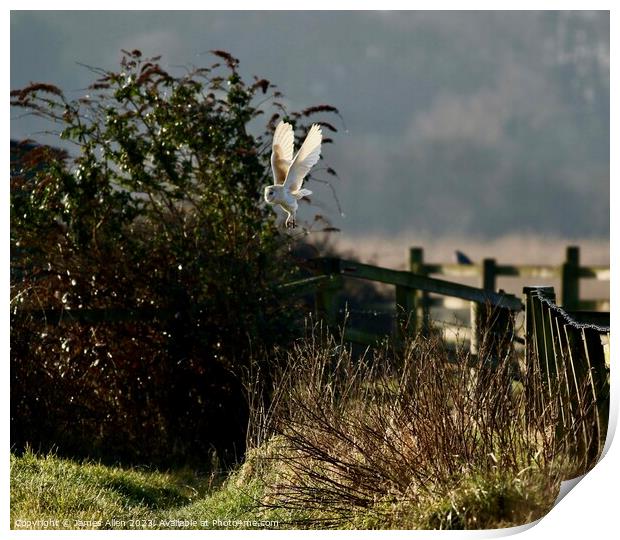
[(558, 311)]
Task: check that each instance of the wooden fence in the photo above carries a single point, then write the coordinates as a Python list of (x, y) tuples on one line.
[(566, 350), (413, 290), (569, 273), (567, 358), (487, 305)]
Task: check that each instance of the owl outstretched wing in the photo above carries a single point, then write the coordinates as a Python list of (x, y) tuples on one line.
[(282, 151), (305, 159)]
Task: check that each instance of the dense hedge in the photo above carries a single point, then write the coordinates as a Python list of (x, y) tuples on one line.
[(144, 269)]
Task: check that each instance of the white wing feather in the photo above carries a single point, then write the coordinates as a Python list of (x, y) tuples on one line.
[(305, 159), (282, 151)]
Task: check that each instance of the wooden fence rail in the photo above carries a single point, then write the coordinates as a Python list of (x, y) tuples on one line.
[(568, 373), (410, 288), (569, 273)]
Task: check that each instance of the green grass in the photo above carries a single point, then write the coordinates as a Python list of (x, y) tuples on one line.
[(48, 492), (67, 494)]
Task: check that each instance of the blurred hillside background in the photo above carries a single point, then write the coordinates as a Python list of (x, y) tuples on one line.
[(483, 131)]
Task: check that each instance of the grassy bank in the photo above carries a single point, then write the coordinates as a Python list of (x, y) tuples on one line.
[(51, 492), (48, 492)]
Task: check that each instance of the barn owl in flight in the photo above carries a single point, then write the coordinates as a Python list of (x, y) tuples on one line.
[(289, 172)]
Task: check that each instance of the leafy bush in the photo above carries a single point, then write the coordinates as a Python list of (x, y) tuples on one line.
[(144, 268)]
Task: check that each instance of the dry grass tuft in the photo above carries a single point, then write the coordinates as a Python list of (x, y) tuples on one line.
[(414, 439)]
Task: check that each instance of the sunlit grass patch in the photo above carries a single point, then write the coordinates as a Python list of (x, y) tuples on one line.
[(68, 494)]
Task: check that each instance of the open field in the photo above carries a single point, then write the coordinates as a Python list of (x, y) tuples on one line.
[(517, 249)]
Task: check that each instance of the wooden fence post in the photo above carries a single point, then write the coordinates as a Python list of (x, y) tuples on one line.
[(480, 314), (420, 305), (474, 329), (535, 348), (532, 405), (570, 279), (576, 439), (595, 355), (489, 273), (326, 296)]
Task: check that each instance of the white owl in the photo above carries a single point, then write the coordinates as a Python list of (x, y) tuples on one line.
[(289, 172)]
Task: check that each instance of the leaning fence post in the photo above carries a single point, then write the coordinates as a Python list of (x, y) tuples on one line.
[(576, 373), (595, 356), (570, 279)]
